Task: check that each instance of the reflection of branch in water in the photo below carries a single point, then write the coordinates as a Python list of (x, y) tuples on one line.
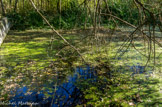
[(54, 93), (65, 90), (76, 97), (76, 94)]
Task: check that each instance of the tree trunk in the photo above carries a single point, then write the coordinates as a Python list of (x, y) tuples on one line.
[(15, 7), (96, 15), (23, 4), (85, 22), (99, 14), (10, 2), (60, 16), (41, 4), (2, 7)]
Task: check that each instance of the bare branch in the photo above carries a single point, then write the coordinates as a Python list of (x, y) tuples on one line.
[(52, 28)]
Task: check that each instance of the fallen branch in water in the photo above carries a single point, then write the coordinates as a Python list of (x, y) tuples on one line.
[(52, 28)]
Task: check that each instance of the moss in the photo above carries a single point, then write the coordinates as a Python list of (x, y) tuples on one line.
[(29, 57)]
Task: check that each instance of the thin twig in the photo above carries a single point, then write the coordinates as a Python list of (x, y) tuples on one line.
[(52, 28)]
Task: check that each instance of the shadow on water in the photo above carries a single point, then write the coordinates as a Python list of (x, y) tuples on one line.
[(66, 94)]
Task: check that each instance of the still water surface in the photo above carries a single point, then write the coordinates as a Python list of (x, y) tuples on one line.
[(66, 94)]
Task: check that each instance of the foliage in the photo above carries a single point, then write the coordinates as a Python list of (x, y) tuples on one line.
[(74, 13), (70, 17), (35, 57), (22, 21)]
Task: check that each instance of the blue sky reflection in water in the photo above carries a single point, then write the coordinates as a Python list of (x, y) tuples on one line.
[(67, 93)]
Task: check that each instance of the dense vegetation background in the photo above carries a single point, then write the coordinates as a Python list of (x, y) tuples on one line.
[(79, 13), (103, 34)]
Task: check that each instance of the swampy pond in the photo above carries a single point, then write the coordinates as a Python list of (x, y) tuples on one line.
[(38, 69)]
